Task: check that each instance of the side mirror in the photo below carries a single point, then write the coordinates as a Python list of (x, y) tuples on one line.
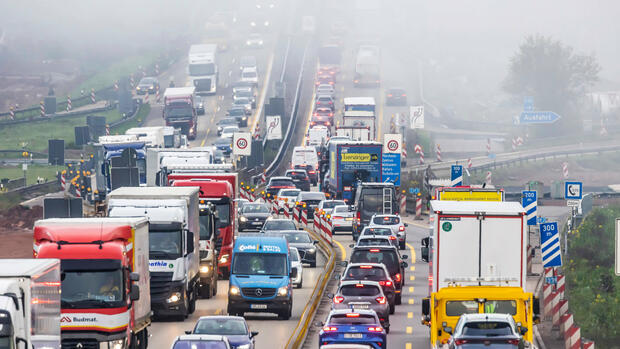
[(19, 341), (293, 274), (315, 242), (253, 334), (329, 295), (319, 324), (188, 332), (536, 306), (404, 256), (406, 225), (351, 245), (343, 264), (523, 331), (337, 277), (426, 306), (447, 329), (134, 277), (134, 294), (190, 241), (424, 254), (404, 264)]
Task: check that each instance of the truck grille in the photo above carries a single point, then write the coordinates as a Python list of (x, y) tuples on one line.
[(218, 244), (258, 292), (77, 343), (203, 85), (160, 285)]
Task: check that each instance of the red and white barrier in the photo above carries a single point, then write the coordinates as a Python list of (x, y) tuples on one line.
[(488, 146), (529, 259), (327, 231), (418, 207), (132, 82), (548, 272), (469, 164), (572, 337), (566, 322), (63, 180), (156, 69), (488, 178), (12, 113), (107, 130), (69, 106), (304, 219), (559, 308), (551, 302), (565, 169), (116, 85), (146, 97), (77, 191), (42, 108), (263, 178), (92, 95), (438, 153), (588, 345), (296, 214), (547, 297), (403, 204), (285, 212), (561, 285), (157, 97)]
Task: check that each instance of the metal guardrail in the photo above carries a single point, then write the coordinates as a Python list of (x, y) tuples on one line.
[(58, 116)]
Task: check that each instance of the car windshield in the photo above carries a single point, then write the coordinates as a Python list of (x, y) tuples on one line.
[(279, 225), (241, 101), (228, 122), (236, 112), (386, 220), (243, 94), (357, 319), (341, 209), (260, 264), (91, 289), (147, 81), (365, 273), (247, 61), (359, 290), (248, 74), (297, 175), (165, 244), (332, 204), (312, 196), (222, 141), (294, 255), (487, 329), (377, 231), (230, 129), (178, 111), (255, 208), (201, 69), (206, 227), (289, 193), (296, 238), (199, 344), (221, 327), (486, 344), (387, 257)]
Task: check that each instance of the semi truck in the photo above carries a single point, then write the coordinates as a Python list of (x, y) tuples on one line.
[(113, 147), (152, 136), (105, 300), (349, 163), (30, 303), (179, 110), (359, 112), (367, 67), (354, 133), (159, 160), (477, 263), (174, 262), (202, 68)]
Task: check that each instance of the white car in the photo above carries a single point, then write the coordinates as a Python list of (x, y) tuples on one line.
[(373, 240), (342, 218), (326, 206), (394, 222), (229, 131), (325, 89), (255, 40), (249, 75), (286, 198), (296, 264), (243, 102)]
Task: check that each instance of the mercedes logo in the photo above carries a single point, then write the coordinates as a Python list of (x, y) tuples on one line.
[(258, 292), (79, 346)]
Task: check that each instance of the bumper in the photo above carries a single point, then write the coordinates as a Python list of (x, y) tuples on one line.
[(309, 258), (251, 225), (240, 304), (342, 225), (376, 343)]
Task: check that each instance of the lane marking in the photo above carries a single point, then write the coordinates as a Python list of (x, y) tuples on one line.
[(410, 315), (412, 278), (410, 300), (344, 252), (408, 221), (412, 268), (408, 346), (411, 289), (413, 257), (218, 311), (215, 110), (409, 330)]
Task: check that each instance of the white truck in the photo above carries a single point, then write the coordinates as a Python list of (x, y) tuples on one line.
[(354, 133), (153, 137), (174, 227), (157, 159), (30, 303), (359, 112), (318, 135), (367, 67), (202, 68)]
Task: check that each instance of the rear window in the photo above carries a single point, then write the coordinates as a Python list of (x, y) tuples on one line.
[(289, 193), (297, 175), (332, 204), (281, 182), (377, 231), (313, 196), (359, 290), (487, 329), (248, 74), (385, 257), (373, 242), (486, 344), (359, 319), (387, 220), (372, 273), (199, 344), (342, 209), (279, 225), (371, 201)]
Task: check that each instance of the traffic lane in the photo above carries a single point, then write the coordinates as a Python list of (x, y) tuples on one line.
[(273, 333)]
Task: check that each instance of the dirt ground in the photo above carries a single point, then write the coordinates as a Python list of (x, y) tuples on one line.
[(16, 231)]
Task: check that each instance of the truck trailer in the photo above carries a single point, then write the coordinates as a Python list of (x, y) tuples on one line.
[(351, 162)]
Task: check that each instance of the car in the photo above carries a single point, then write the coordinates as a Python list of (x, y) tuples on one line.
[(346, 326), (327, 206), (303, 242), (230, 121), (260, 23), (326, 79), (326, 89), (249, 75), (277, 224), (396, 96), (286, 199), (312, 172), (218, 156), (276, 183), (373, 240), (300, 178), (395, 223), (202, 341), (245, 92), (378, 231), (322, 116), (239, 113), (363, 294), (387, 255), (246, 103), (199, 105), (325, 101), (495, 330), (234, 328), (147, 85), (229, 131), (254, 40), (307, 201), (373, 272), (240, 203), (297, 281), (224, 144), (253, 216), (342, 218), (247, 62)]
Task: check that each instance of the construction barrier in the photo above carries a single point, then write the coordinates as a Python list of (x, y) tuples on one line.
[(418, 208), (304, 219), (547, 297), (559, 308), (530, 258), (560, 286), (403, 205), (296, 214), (572, 337)]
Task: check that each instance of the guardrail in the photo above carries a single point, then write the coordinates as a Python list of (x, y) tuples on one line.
[(49, 117)]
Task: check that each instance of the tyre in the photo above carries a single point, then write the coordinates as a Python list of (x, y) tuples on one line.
[(402, 246), (313, 264), (214, 286), (392, 308), (286, 314), (398, 299), (192, 301)]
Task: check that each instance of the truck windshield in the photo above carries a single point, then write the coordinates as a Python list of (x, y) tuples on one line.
[(202, 69), (179, 111), (92, 289), (458, 308), (165, 244), (260, 264), (223, 213), (206, 229)]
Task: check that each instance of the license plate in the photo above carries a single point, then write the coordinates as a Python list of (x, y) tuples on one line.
[(360, 306), (257, 223), (258, 306), (353, 335), (348, 219)]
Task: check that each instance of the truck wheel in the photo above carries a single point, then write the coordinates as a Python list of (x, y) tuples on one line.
[(192, 301), (398, 299), (286, 314)]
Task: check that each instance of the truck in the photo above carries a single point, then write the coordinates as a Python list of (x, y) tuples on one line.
[(355, 133), (260, 276), (174, 225), (173, 138), (113, 147), (158, 161), (202, 68), (153, 136), (359, 112), (220, 190), (350, 162), (469, 193), (179, 110), (105, 300), (30, 303), (367, 67), (477, 263)]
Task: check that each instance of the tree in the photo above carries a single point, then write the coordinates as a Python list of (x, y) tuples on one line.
[(553, 74)]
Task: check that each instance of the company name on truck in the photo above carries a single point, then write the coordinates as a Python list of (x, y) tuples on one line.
[(161, 264), (267, 248), (78, 319)]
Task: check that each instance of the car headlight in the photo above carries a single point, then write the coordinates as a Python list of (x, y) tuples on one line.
[(244, 118), (244, 346), (224, 258), (204, 269), (248, 42), (283, 291), (234, 291), (260, 42), (138, 88), (266, 23), (200, 106), (253, 24), (243, 219), (312, 250), (174, 297), (116, 344)]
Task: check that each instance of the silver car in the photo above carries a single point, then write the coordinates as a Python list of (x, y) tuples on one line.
[(395, 223), (297, 281), (380, 231), (342, 218), (373, 240), (363, 294), (326, 89)]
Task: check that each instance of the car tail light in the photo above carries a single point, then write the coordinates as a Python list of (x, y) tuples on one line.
[(338, 299), (404, 95), (318, 83), (330, 102), (381, 300), (337, 217), (401, 228), (318, 103), (389, 95), (359, 217), (385, 283), (398, 277), (430, 280), (312, 172), (392, 237), (513, 341), (331, 114), (359, 285), (386, 218), (375, 329), (326, 123), (353, 315), (331, 82), (330, 329), (460, 341), (375, 250)]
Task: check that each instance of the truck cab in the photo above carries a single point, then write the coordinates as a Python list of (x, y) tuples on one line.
[(114, 146), (179, 110), (260, 276)]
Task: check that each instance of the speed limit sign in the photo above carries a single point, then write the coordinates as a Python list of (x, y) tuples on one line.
[(242, 143), (392, 143)]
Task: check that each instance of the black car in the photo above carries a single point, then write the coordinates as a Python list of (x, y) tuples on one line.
[(373, 272), (303, 242), (199, 105), (253, 216), (226, 122), (311, 171), (147, 85), (396, 96), (276, 183), (278, 224), (300, 179), (239, 114), (218, 156), (388, 256)]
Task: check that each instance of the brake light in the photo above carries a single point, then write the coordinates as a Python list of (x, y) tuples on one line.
[(392, 237), (381, 300), (385, 283), (331, 114), (338, 299), (398, 277), (374, 250), (460, 341), (359, 217), (386, 218), (330, 329), (365, 266), (375, 329), (389, 95), (353, 315), (359, 285), (337, 217), (311, 171), (430, 280), (401, 228), (513, 341), (404, 95), (331, 82)]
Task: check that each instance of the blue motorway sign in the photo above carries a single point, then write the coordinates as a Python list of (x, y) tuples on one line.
[(542, 220), (551, 280), (414, 190), (538, 117), (550, 245), (573, 190), (530, 203), (456, 177), (391, 168)]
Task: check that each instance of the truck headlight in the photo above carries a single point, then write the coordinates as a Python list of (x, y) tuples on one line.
[(248, 42), (174, 297), (204, 269), (224, 258), (312, 250), (243, 219), (234, 291), (283, 291), (115, 344)]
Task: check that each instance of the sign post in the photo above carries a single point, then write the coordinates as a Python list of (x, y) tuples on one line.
[(617, 247), (456, 176), (392, 148), (242, 143), (550, 245), (530, 203)]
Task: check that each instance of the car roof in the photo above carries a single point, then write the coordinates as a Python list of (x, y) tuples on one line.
[(367, 237), (374, 265), (385, 215), (486, 317), (280, 177), (296, 170), (201, 337), (218, 317), (348, 311)]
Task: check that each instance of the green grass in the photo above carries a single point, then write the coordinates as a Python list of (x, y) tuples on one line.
[(135, 122), (34, 171), (592, 287)]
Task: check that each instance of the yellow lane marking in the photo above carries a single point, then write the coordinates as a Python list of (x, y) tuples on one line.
[(409, 330), (411, 301), (412, 268), (218, 311), (412, 278), (410, 315), (263, 93), (411, 289), (413, 258), (408, 346), (344, 252)]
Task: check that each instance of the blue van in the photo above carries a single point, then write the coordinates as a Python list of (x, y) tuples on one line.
[(260, 276)]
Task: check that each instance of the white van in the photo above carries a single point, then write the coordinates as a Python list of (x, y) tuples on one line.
[(306, 158)]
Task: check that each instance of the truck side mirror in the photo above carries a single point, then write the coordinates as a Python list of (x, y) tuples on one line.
[(316, 242), (134, 294), (293, 274), (406, 225), (404, 256), (404, 264), (21, 343), (134, 277), (190, 241), (426, 306), (424, 253), (447, 329)]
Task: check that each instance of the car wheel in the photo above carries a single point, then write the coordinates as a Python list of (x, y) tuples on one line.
[(402, 246), (398, 299), (313, 264), (205, 292), (192, 301), (392, 308)]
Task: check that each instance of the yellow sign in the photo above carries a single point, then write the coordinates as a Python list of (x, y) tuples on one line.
[(471, 195), (355, 157)]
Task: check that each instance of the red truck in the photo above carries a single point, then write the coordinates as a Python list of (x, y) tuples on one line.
[(219, 189), (104, 263), (179, 109)]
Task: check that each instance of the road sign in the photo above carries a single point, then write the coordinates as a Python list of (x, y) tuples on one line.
[(618, 246), (414, 190), (550, 245), (538, 117), (572, 203), (551, 280), (392, 143), (456, 175), (530, 204), (573, 190), (242, 143), (541, 220), (416, 116), (274, 127), (391, 168)]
